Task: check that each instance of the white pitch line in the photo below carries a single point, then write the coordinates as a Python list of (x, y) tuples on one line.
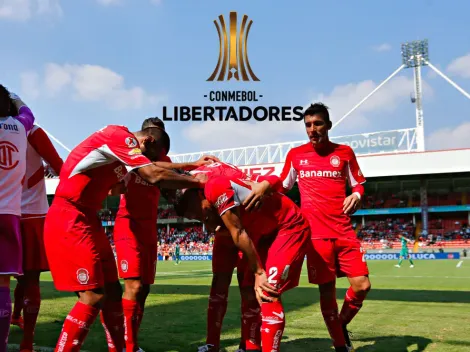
[(422, 277), (459, 264), (188, 273), (15, 347)]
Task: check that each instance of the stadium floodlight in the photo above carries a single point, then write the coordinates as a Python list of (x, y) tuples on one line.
[(415, 53)]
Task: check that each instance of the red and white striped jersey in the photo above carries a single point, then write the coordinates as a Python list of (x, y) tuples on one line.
[(97, 164), (40, 148), (278, 212), (322, 177)]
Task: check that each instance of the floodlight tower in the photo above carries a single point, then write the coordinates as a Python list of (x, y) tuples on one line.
[(414, 55)]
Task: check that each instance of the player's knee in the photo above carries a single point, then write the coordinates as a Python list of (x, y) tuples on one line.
[(134, 287), (221, 282), (113, 291), (362, 286), (328, 289), (92, 298)]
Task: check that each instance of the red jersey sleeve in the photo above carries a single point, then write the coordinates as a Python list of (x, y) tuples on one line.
[(355, 176), (220, 194), (289, 173), (124, 147), (44, 147)]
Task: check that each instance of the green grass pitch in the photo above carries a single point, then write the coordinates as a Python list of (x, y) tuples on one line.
[(425, 308)]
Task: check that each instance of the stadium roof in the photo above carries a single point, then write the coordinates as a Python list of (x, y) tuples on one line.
[(380, 165)]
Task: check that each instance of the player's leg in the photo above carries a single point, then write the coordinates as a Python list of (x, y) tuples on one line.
[(321, 265), (10, 265), (352, 263), (250, 309), (129, 260), (68, 231), (224, 260), (142, 299), (16, 318), (149, 271), (411, 261), (400, 260), (5, 309), (283, 266), (32, 304), (112, 314), (34, 262)]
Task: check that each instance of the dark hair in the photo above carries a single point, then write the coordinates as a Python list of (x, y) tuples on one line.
[(181, 200), (318, 109), (159, 135), (5, 102), (153, 122)]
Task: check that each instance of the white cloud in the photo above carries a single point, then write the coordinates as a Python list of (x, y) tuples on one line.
[(382, 47), (450, 138), (17, 10), (215, 135), (344, 97), (460, 66), (118, 2), (49, 7), (23, 10), (30, 84), (89, 83), (109, 2)]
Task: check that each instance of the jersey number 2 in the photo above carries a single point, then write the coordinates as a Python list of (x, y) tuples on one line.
[(272, 274)]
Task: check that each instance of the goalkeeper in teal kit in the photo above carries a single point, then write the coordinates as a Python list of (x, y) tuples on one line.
[(177, 254), (404, 254)]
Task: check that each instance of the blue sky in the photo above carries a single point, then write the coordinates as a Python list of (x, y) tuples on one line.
[(84, 64)]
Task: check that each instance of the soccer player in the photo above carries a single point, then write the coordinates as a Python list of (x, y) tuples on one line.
[(135, 238), (79, 253), (34, 207), (177, 254), (404, 254), (16, 120), (225, 258), (323, 169), (274, 240)]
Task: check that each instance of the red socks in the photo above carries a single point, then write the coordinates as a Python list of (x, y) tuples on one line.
[(76, 327), (19, 299), (329, 310), (272, 326), (251, 325), (215, 316), (32, 303), (131, 324), (352, 304), (112, 319)]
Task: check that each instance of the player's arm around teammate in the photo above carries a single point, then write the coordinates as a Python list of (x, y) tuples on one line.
[(90, 171)]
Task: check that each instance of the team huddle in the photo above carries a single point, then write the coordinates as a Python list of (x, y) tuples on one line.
[(258, 230)]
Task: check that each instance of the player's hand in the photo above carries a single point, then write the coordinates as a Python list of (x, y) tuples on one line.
[(258, 192), (351, 204), (262, 284), (206, 159)]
